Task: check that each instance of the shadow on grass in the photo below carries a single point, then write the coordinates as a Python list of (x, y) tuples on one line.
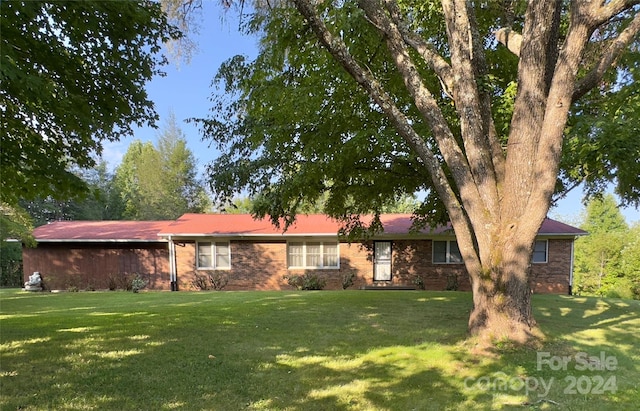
[(348, 350)]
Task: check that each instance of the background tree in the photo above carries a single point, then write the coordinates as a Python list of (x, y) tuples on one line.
[(100, 202), (72, 76), (630, 264), (160, 183), (598, 255), (179, 171), (367, 99), (11, 264), (138, 181)]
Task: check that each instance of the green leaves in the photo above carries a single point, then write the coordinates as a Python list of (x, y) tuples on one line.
[(72, 76), (605, 260), (292, 125), (160, 183)]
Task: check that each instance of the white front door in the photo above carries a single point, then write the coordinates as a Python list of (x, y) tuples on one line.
[(382, 261)]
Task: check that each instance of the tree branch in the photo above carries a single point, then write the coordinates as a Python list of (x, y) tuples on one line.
[(434, 60), (472, 104), (510, 39), (338, 49), (604, 13), (607, 59), (528, 117)]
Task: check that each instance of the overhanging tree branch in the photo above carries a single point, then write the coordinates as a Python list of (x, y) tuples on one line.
[(422, 97), (434, 60), (607, 59), (365, 79)]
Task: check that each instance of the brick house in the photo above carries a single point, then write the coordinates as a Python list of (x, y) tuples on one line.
[(254, 255)]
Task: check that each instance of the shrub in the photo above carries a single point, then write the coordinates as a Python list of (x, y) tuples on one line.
[(452, 282), (418, 281), (347, 279), (200, 282), (306, 281), (138, 283), (218, 281), (120, 281), (215, 281)]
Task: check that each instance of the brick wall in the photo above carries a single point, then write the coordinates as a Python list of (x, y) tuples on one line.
[(412, 260), (262, 265), (553, 276), (93, 266)]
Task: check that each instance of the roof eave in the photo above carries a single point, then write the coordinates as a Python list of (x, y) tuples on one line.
[(94, 240)]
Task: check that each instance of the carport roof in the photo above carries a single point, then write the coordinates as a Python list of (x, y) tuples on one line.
[(100, 231)]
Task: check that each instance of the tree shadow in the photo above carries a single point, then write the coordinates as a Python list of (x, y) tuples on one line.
[(346, 350)]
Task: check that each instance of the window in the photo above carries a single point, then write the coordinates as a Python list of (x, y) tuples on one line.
[(446, 252), (214, 255), (540, 251), (313, 254)]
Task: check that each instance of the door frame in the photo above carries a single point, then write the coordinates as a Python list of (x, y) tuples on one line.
[(382, 262)]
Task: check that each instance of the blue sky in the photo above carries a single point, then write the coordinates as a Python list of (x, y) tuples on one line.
[(187, 86)]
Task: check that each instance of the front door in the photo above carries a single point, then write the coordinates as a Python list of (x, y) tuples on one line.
[(382, 261)]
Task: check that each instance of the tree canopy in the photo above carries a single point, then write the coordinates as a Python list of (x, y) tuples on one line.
[(269, 113), (73, 75), (605, 261), (468, 102), (156, 183)]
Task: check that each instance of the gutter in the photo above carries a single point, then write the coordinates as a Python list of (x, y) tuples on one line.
[(94, 240), (173, 275), (571, 268)]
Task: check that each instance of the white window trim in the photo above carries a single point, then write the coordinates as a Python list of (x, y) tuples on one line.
[(213, 255), (448, 252), (546, 252), (304, 255)]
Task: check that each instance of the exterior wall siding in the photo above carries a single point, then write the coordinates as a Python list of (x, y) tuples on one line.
[(97, 266), (262, 265), (553, 276)]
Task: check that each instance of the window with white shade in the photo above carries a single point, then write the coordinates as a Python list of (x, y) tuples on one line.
[(213, 255), (313, 254)]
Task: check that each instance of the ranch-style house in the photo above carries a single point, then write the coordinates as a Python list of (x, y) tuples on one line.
[(254, 255)]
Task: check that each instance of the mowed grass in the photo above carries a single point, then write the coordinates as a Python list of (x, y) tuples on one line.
[(329, 350)]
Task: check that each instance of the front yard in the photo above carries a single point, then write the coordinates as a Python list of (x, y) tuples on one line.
[(329, 350)]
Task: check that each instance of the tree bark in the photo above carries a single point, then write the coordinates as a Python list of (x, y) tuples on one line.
[(502, 293)]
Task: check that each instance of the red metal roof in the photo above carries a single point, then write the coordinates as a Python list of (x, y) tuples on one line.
[(234, 225), (314, 224), (100, 231), (553, 227)]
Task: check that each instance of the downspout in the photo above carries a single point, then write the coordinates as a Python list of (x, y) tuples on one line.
[(571, 268), (172, 265)]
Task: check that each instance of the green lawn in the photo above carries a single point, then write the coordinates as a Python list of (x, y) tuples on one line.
[(328, 350)]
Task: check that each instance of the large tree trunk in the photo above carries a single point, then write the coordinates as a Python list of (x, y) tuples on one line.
[(502, 293)]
